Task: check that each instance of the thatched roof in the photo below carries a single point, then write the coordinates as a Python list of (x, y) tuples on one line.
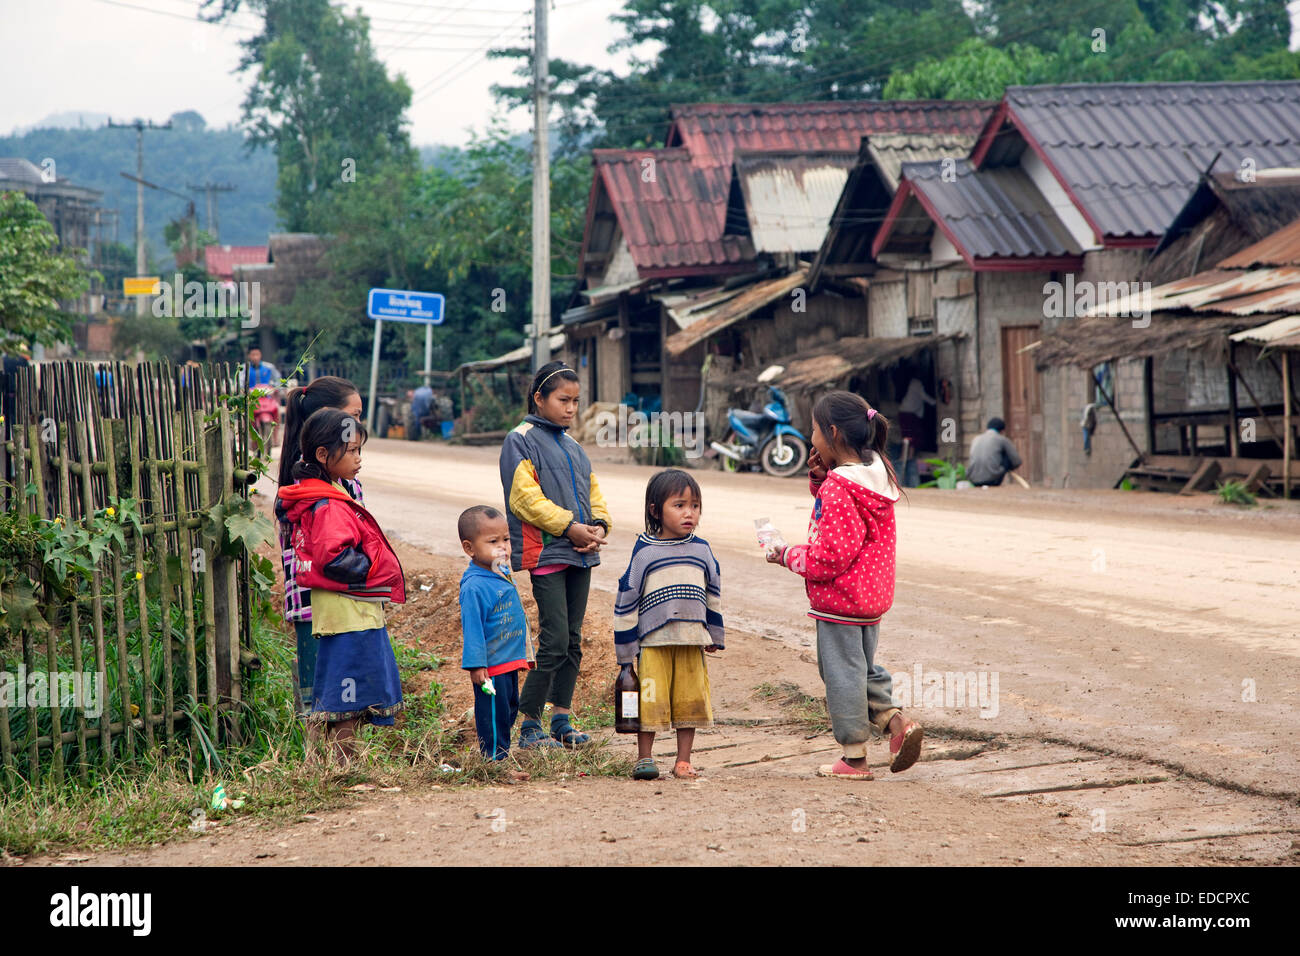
[(832, 364), (1090, 341)]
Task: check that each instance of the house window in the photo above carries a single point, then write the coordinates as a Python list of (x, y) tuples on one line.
[(1103, 384)]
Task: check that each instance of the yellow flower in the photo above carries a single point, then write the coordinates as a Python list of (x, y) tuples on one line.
[(138, 575), (111, 511)]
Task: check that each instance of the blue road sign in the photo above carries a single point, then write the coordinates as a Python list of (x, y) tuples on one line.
[(398, 305)]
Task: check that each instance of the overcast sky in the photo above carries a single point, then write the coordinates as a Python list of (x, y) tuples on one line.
[(151, 58)]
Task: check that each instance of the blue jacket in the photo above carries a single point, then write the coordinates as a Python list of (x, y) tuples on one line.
[(492, 623), (548, 485)]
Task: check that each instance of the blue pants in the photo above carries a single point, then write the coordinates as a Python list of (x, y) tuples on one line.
[(495, 716), (305, 667)]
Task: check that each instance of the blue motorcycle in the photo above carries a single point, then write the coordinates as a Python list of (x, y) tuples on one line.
[(765, 438)]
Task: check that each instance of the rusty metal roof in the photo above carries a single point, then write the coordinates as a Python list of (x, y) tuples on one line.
[(671, 211), (1281, 248), (1280, 333), (713, 132), (789, 196), (1130, 154), (731, 309)]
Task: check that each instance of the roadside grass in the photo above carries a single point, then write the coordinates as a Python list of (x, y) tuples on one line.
[(278, 773), (807, 711)]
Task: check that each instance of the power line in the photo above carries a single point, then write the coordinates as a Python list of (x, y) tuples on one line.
[(424, 91)]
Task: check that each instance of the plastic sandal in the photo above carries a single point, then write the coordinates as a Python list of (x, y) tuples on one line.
[(691, 773), (533, 737), (569, 736), (645, 769), (906, 747), (844, 771)]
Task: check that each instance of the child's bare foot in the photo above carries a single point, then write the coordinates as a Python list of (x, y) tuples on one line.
[(683, 770)]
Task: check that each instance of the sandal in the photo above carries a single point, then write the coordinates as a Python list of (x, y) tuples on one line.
[(569, 736), (905, 746), (645, 769), (690, 772), (844, 771)]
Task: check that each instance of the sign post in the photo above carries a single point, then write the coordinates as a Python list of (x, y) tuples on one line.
[(398, 305)]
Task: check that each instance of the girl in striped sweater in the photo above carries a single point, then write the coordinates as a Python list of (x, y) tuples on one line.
[(668, 611)]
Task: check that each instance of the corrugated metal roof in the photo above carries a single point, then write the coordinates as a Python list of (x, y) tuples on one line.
[(749, 299), (713, 132), (687, 308), (1280, 333), (789, 197), (1132, 153), (890, 150), (1237, 292), (1281, 248), (671, 211), (990, 213), (521, 354), (220, 261)]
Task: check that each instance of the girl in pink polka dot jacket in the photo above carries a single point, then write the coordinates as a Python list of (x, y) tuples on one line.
[(848, 569)]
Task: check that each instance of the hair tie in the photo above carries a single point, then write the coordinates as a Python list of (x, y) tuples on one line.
[(871, 413), (562, 368)]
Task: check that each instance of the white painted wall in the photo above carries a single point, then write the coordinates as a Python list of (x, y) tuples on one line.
[(1058, 199)]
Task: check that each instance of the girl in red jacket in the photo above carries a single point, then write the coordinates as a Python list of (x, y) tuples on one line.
[(848, 567), (344, 558)]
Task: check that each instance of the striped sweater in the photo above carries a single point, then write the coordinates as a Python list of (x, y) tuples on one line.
[(667, 579)]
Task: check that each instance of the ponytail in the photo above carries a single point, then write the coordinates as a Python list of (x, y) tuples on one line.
[(862, 428), (328, 391)]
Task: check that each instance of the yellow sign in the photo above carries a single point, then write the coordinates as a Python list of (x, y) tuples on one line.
[(140, 285)]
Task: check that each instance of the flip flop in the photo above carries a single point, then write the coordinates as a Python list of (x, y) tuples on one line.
[(690, 774), (844, 771), (906, 747), (645, 769)]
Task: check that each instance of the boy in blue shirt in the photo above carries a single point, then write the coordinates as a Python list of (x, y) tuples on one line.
[(497, 645)]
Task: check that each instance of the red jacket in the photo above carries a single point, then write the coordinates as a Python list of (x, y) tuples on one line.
[(848, 562), (338, 544)]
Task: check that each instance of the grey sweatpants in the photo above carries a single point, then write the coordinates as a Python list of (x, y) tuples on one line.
[(859, 692)]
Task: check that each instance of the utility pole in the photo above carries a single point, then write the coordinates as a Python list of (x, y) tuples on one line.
[(541, 192), (140, 264), (211, 189)]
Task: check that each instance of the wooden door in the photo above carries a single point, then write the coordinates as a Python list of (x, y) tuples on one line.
[(1022, 398)]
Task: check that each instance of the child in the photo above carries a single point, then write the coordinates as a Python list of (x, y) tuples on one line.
[(495, 630), (558, 523), (344, 558), (848, 564), (669, 610), (328, 391)]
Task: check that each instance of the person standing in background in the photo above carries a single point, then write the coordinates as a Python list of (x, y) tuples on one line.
[(992, 455), (911, 423)]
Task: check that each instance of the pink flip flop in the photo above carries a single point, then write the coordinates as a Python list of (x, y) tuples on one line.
[(906, 747), (842, 770)]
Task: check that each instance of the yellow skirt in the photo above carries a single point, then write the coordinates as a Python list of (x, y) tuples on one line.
[(674, 689)]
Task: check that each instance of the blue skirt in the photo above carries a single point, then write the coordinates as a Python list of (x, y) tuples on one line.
[(356, 676)]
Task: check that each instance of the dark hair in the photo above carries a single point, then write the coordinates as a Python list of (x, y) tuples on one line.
[(547, 380), (997, 424), (660, 488), (254, 348), (862, 432), (471, 519), (326, 429), (328, 391)]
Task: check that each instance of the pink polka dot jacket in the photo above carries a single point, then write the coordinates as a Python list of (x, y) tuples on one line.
[(848, 562)]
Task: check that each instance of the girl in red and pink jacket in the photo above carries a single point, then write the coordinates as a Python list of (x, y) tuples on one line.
[(848, 568)]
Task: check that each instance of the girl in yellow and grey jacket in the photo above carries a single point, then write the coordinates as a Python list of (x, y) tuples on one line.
[(558, 523)]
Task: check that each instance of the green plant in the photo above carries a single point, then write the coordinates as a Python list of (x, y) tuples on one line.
[(1234, 493), (946, 473)]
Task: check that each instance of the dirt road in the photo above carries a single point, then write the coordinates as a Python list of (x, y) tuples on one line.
[(1132, 664)]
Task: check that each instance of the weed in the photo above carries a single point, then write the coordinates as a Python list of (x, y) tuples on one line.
[(809, 712), (1234, 493)]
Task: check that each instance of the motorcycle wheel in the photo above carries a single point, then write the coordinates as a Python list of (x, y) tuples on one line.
[(786, 460), (729, 464)]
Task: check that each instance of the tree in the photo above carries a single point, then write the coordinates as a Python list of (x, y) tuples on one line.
[(34, 277), (323, 100)]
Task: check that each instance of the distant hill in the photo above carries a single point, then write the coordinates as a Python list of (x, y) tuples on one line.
[(188, 153), (91, 154)]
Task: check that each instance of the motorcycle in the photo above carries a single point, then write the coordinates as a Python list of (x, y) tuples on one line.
[(765, 438), (267, 416)]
